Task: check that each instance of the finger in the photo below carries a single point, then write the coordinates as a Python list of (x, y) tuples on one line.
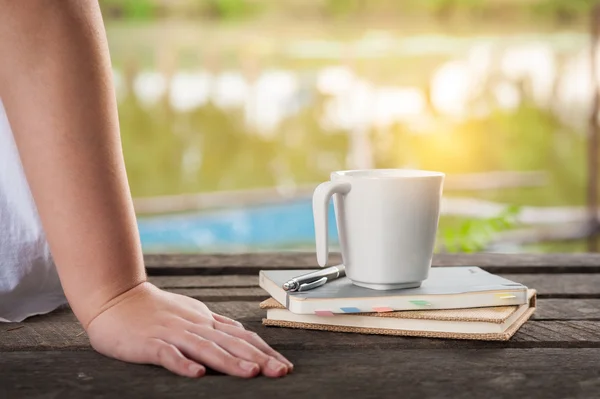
[(191, 316), (255, 340), (163, 354), (270, 366), (227, 320), (212, 355)]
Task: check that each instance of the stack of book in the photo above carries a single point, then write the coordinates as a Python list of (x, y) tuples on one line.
[(454, 302)]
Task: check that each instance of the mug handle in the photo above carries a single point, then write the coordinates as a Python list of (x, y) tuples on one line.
[(321, 198)]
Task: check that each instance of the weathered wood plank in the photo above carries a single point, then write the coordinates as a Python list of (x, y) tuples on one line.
[(567, 309), (359, 373), (567, 285), (222, 264), (547, 309), (233, 281), (223, 294), (249, 311), (533, 334), (70, 336), (250, 264), (234, 310)]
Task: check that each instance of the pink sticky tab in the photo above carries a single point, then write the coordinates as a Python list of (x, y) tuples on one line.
[(323, 313), (383, 309)]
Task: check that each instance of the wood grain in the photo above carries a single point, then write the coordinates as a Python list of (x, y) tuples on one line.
[(205, 281), (223, 294), (567, 309), (359, 373), (566, 285), (547, 309), (562, 334), (249, 264)]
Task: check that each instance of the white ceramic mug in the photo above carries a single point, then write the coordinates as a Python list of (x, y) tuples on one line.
[(387, 221)]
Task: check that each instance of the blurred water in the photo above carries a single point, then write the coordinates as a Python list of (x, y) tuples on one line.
[(282, 226)]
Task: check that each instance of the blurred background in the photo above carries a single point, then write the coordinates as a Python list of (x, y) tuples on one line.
[(232, 111)]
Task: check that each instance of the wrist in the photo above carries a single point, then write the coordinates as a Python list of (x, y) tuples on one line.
[(90, 308)]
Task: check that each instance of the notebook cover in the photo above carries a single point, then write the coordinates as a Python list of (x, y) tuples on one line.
[(451, 315), (442, 284)]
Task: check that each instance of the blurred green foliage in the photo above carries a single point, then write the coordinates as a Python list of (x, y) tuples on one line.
[(473, 235), (231, 155), (130, 9), (229, 9), (563, 11), (554, 10)]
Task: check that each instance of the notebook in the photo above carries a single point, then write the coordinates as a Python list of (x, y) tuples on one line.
[(445, 288), (488, 324)]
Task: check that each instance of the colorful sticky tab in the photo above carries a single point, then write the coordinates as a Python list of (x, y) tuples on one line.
[(350, 310), (382, 309), (506, 296), (323, 313), (420, 303)]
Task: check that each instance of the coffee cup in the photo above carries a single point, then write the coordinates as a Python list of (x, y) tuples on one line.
[(387, 222)]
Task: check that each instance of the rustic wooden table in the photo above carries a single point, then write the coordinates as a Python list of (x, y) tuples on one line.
[(556, 354)]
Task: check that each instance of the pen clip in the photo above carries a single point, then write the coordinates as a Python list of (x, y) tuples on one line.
[(313, 284)]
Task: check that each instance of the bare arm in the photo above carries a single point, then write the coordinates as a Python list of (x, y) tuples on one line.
[(57, 90), (55, 82)]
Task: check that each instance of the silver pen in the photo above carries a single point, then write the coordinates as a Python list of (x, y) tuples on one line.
[(315, 279)]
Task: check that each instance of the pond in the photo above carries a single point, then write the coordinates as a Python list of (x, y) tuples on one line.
[(274, 227), (226, 107)]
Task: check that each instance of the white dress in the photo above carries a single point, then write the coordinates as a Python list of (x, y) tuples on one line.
[(29, 283)]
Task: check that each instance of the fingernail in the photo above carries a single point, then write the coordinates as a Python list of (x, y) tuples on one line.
[(196, 369), (248, 365), (285, 361), (275, 365)]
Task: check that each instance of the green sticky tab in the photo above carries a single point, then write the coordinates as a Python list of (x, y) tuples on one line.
[(420, 303)]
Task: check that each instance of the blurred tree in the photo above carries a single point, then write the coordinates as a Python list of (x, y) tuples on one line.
[(129, 9), (563, 10), (230, 9)]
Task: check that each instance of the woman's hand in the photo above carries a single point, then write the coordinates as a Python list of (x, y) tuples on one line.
[(148, 325)]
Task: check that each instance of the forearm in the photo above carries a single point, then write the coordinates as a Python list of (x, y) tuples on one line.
[(55, 82)]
